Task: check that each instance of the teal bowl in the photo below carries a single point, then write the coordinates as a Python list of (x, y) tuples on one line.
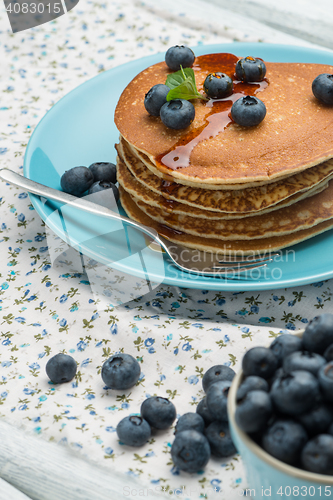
[(267, 476)]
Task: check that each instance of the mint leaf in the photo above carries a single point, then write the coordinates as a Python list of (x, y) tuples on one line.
[(182, 85)]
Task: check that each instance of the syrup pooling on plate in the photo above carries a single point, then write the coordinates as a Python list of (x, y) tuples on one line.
[(218, 110)]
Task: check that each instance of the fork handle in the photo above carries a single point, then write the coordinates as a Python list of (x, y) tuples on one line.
[(81, 203)]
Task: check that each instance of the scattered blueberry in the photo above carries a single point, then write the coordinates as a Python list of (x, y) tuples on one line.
[(322, 88), (317, 454), (190, 421), (250, 69), (216, 373), (260, 361), (218, 85), (303, 360), (285, 344), (120, 371), (61, 368), (204, 412), (159, 412), (248, 111), (219, 438), (102, 186), (318, 334), (254, 411), (284, 440), (155, 98), (104, 171), (179, 55), (133, 430), (295, 393), (190, 451), (77, 180), (177, 114), (251, 383), (217, 399)]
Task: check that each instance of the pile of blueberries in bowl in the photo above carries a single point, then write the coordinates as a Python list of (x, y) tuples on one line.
[(285, 400)]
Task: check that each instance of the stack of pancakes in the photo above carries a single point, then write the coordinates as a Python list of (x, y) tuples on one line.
[(220, 187)]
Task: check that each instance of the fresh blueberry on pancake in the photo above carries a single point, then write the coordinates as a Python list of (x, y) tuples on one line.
[(179, 55), (177, 114), (218, 85), (155, 98), (322, 88), (248, 111), (249, 69)]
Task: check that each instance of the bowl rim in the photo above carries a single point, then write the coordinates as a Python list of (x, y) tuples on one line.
[(260, 452)]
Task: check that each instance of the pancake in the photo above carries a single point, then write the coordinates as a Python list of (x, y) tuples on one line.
[(236, 247), (237, 203), (303, 215), (295, 135), (140, 192)]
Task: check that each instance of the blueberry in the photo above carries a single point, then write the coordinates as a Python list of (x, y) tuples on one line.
[(322, 88), (251, 383), (190, 451), (61, 368), (285, 344), (190, 421), (204, 412), (254, 411), (77, 180), (217, 399), (216, 373), (249, 69), (179, 55), (177, 114), (102, 186), (317, 454), (104, 171), (318, 334), (317, 420), (295, 393), (328, 354), (120, 371), (303, 360), (218, 85), (325, 377), (260, 361), (133, 430), (284, 440), (219, 438), (248, 111), (160, 413), (155, 98)]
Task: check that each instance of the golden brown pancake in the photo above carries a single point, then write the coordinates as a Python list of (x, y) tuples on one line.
[(236, 247), (302, 215), (295, 135), (140, 182)]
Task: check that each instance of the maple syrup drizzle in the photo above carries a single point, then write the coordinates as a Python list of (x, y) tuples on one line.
[(218, 117)]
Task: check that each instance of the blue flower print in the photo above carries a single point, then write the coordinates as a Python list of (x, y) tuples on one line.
[(22, 196), (264, 320), (175, 305), (108, 451), (90, 396), (3, 395), (149, 341), (63, 322), (21, 217), (193, 379), (114, 329), (254, 309), (220, 302), (34, 366), (63, 299), (187, 346), (81, 345)]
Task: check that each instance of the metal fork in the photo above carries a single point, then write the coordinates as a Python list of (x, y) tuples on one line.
[(187, 259)]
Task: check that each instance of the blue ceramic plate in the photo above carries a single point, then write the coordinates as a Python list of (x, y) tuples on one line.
[(80, 130)]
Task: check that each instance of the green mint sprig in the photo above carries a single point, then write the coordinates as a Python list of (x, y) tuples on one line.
[(182, 85)]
